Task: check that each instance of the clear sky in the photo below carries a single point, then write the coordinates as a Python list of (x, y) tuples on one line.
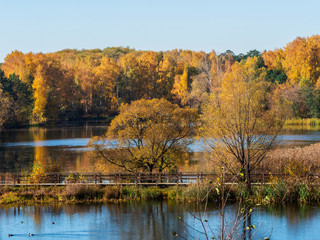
[(238, 25)]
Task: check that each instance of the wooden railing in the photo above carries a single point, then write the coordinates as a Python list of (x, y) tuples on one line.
[(142, 178)]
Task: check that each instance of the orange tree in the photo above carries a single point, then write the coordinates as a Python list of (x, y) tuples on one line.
[(147, 135)]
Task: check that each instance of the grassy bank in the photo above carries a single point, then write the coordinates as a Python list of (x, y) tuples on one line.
[(277, 193), (303, 122)]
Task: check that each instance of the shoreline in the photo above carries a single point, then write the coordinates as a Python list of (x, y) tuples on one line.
[(277, 193)]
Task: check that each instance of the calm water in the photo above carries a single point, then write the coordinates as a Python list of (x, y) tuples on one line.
[(151, 220), (65, 147)]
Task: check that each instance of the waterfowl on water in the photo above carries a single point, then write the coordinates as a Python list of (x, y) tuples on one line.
[(21, 222), (52, 222), (10, 235), (31, 234)]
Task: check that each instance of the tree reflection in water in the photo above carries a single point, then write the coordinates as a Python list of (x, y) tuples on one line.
[(148, 220)]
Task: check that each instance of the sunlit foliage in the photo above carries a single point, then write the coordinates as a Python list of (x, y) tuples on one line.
[(73, 84), (148, 135), (241, 121)]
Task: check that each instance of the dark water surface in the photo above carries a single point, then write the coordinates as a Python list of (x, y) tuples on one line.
[(149, 220), (65, 147)]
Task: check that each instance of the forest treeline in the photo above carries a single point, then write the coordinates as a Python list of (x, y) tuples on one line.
[(73, 84)]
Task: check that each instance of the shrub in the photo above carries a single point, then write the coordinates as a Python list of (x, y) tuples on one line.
[(83, 192), (38, 174)]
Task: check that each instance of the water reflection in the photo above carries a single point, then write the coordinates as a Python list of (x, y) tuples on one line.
[(148, 220), (65, 147), (119, 221), (52, 147)]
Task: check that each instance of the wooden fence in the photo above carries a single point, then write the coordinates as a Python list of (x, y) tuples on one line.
[(142, 178)]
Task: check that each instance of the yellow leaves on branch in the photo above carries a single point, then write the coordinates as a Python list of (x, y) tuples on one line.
[(239, 118), (147, 135)]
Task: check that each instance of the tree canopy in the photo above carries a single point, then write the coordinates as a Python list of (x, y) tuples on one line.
[(147, 135), (240, 119), (72, 84)]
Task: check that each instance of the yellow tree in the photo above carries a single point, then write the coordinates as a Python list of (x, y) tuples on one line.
[(148, 71), (274, 59), (239, 119), (86, 80), (166, 77), (302, 60), (147, 135), (46, 90), (108, 73), (129, 77), (180, 86), (22, 65)]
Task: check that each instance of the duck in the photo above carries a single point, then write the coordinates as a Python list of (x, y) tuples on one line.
[(52, 223), (21, 222), (10, 235), (31, 234)]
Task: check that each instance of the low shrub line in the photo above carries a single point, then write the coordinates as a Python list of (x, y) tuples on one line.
[(277, 193), (303, 121)]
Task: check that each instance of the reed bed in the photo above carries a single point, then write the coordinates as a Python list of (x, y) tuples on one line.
[(303, 121)]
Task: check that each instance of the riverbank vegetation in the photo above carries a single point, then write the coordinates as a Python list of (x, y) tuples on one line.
[(303, 122), (278, 192)]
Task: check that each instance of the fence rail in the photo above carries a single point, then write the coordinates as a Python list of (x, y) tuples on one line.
[(142, 178)]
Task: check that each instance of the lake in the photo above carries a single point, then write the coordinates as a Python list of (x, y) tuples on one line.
[(149, 220), (65, 147)]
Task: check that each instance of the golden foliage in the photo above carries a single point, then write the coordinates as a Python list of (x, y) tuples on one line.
[(239, 119), (38, 174), (147, 135)]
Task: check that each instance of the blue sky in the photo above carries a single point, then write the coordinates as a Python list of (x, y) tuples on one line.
[(238, 25)]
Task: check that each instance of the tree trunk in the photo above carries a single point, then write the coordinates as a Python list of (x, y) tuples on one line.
[(248, 178)]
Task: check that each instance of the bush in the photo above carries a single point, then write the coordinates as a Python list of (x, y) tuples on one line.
[(83, 192), (113, 192), (38, 174)]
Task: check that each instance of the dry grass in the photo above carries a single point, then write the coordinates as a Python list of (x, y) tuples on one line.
[(296, 161)]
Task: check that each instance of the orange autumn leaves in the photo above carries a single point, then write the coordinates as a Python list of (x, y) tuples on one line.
[(71, 84)]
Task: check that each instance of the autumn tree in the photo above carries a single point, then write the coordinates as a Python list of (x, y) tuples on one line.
[(166, 74), (180, 87), (128, 82), (108, 73), (147, 135), (240, 120)]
